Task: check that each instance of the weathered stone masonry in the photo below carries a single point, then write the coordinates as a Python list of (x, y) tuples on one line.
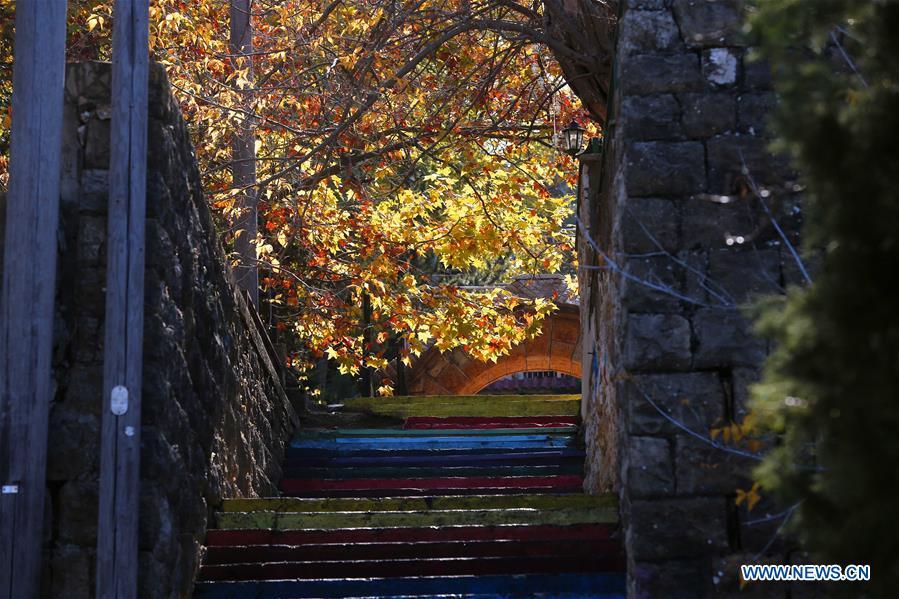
[(215, 416), (683, 246)]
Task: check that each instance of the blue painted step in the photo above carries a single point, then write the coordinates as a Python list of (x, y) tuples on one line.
[(596, 586)]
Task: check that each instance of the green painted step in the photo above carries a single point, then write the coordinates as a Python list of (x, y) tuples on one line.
[(441, 432), (467, 405), (414, 519), (444, 502)]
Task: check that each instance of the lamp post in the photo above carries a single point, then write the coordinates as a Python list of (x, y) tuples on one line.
[(573, 138)]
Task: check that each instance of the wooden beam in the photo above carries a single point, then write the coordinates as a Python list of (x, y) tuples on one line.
[(29, 282), (123, 358)]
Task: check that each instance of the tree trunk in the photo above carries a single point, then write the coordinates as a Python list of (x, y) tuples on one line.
[(588, 28), (243, 153)]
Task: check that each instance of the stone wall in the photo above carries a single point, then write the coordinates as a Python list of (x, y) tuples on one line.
[(215, 415), (679, 245)]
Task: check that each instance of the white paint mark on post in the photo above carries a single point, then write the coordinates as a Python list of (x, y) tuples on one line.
[(118, 401)]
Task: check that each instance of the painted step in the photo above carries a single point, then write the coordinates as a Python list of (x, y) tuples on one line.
[(489, 422), (376, 551), (218, 537), (519, 442), (438, 502), (593, 585), (474, 405), (417, 519), (432, 471), (421, 486), (298, 458), (319, 433), (458, 566)]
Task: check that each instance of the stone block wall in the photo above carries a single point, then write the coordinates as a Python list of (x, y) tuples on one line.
[(676, 243), (215, 416)]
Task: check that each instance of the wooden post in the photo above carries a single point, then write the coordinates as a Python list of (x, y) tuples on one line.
[(123, 359), (29, 284), (243, 153)]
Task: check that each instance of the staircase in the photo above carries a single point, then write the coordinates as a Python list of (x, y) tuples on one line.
[(464, 497)]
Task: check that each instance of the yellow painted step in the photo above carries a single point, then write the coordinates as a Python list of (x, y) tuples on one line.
[(467, 405)]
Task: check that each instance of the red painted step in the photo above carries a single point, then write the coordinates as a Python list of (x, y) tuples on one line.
[(410, 567), (487, 422), (386, 551), (220, 538), (556, 482)]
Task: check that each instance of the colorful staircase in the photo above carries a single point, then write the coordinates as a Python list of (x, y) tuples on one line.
[(468, 497)]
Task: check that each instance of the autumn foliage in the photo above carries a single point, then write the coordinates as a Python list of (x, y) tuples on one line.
[(399, 145)]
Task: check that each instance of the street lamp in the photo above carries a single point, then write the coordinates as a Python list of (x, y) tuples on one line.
[(573, 138)]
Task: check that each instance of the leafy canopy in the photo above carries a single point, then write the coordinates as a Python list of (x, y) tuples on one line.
[(398, 144)]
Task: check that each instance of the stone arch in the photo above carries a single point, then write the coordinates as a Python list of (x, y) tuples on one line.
[(557, 348)]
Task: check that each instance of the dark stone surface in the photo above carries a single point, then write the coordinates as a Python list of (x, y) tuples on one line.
[(650, 225), (657, 341), (215, 418), (646, 4), (677, 527), (706, 470), (663, 168), (693, 399), (648, 31), (710, 22), (681, 579), (724, 338), (652, 117), (652, 284), (710, 222), (732, 155), (657, 74), (650, 471), (745, 273), (756, 73), (704, 115), (754, 110)]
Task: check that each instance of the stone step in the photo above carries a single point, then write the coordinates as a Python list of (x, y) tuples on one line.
[(432, 457), (366, 487), (374, 551), (326, 433), (414, 519), (437, 502), (422, 566), (303, 536), (474, 405), (488, 422), (430, 472), (584, 585), (474, 496), (459, 442)]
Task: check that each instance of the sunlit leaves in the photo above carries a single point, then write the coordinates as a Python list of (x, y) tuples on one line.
[(388, 162)]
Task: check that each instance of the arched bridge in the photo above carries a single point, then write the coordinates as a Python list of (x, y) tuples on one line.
[(558, 348)]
